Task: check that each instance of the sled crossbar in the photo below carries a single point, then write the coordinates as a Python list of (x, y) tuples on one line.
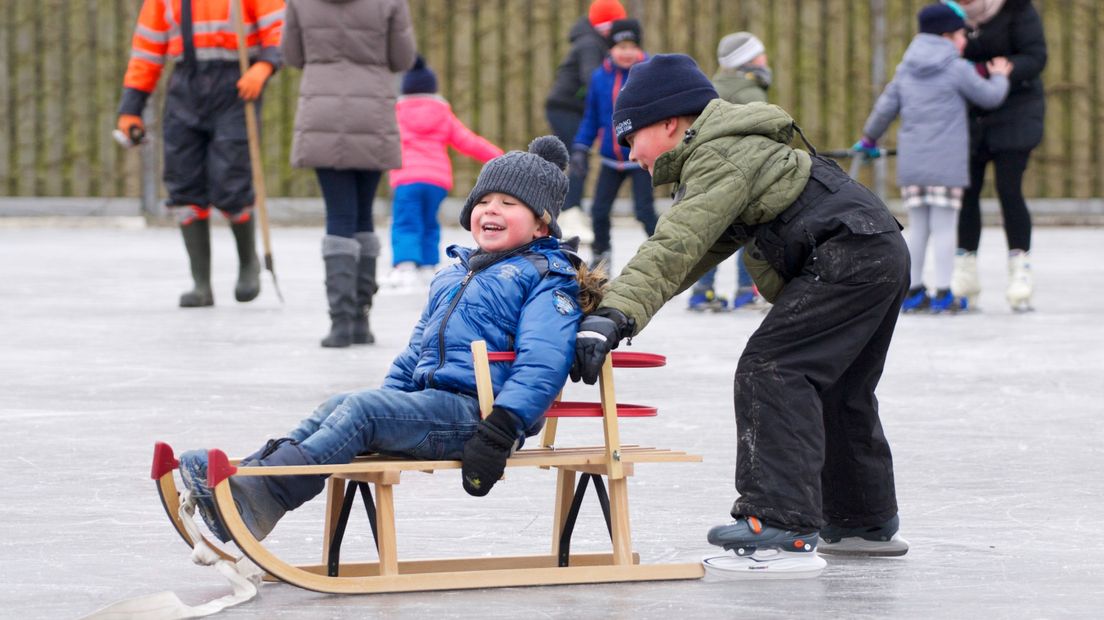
[(606, 467)]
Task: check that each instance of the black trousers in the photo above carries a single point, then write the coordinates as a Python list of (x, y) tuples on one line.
[(811, 446), (206, 146), (1008, 167)]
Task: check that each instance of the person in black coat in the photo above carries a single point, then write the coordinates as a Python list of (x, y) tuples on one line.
[(566, 100), (1005, 136)]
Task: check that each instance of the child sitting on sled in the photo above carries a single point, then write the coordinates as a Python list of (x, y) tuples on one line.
[(519, 291)]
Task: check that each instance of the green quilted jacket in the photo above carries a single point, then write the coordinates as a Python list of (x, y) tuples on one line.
[(734, 167)]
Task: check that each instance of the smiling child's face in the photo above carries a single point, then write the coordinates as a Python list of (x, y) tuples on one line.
[(501, 222)]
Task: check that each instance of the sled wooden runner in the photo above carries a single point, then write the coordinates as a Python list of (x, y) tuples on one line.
[(375, 478)]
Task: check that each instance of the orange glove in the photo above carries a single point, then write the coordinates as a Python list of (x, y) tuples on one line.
[(252, 81), (126, 121)]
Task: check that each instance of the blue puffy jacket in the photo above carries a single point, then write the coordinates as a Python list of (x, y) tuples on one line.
[(525, 302), (605, 85)]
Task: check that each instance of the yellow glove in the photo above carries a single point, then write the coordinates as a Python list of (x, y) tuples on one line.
[(252, 81)]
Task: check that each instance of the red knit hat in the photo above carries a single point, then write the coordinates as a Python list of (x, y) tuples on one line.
[(602, 11)]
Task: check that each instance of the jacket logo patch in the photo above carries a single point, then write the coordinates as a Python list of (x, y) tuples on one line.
[(508, 272), (563, 302)]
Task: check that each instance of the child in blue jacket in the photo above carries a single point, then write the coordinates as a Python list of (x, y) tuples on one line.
[(519, 291), (605, 85)]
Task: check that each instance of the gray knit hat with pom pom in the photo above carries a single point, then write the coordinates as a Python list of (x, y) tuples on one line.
[(535, 177)]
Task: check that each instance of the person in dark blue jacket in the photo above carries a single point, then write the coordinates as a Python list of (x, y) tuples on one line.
[(519, 291), (605, 84)]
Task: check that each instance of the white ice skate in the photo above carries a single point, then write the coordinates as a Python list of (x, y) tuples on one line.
[(574, 222), (755, 550), (1020, 281), (965, 285)]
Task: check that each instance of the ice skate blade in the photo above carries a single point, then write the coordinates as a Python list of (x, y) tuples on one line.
[(1023, 308), (855, 546), (763, 564)]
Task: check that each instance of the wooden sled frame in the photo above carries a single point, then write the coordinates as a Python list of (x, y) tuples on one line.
[(611, 460)]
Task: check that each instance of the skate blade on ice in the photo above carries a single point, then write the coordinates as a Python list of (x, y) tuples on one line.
[(856, 546), (763, 564)]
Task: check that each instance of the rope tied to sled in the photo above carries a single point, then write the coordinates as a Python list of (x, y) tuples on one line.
[(244, 577)]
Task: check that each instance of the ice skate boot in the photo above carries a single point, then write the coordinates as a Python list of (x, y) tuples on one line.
[(746, 298), (755, 550), (964, 281), (945, 302), (873, 540), (916, 300), (707, 300), (1020, 281), (603, 261)]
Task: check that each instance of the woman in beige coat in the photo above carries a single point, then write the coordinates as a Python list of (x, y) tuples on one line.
[(345, 129)]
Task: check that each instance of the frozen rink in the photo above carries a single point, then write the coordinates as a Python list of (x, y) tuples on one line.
[(996, 421)]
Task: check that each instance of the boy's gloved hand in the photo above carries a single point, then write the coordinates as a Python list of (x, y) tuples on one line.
[(869, 148), (580, 162), (486, 452), (252, 81), (599, 333)]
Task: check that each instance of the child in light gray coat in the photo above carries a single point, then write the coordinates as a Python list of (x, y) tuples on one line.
[(930, 92)]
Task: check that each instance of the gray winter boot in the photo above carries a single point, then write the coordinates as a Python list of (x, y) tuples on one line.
[(341, 255), (197, 241), (366, 286), (249, 268)]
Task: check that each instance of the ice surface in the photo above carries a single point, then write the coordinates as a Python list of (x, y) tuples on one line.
[(995, 420)]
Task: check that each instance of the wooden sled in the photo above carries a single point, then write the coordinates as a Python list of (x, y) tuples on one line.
[(575, 467)]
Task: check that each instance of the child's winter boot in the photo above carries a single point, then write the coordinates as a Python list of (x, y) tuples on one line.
[(964, 281), (193, 472), (756, 550), (1020, 281), (874, 540), (944, 301), (916, 300)]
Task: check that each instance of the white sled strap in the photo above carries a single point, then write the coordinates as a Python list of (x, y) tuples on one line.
[(244, 577)]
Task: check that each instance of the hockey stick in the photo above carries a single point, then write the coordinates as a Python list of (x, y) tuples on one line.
[(254, 147)]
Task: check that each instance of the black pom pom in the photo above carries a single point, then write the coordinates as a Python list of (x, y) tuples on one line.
[(550, 148), (419, 64)]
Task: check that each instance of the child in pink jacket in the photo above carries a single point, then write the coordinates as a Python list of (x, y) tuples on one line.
[(427, 127)]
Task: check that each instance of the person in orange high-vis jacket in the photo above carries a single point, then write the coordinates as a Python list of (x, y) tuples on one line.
[(206, 162)]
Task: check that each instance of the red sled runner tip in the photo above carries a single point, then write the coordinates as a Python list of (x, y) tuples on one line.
[(163, 460), (218, 467)]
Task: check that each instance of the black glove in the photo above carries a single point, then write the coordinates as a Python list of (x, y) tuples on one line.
[(486, 452), (580, 162), (599, 333)]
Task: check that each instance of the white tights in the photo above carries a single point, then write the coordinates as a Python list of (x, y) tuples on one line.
[(941, 225)]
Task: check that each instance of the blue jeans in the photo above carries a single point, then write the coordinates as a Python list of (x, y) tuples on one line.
[(429, 424), (605, 191), (415, 232), (348, 195), (743, 278)]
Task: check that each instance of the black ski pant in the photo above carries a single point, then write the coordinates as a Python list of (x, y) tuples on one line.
[(206, 145), (811, 446)]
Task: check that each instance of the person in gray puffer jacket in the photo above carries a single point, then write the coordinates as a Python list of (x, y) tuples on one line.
[(930, 92), (345, 128)]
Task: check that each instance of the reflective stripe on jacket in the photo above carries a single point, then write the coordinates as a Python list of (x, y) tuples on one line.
[(158, 35)]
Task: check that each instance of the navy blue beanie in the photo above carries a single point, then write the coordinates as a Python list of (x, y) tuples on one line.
[(939, 19), (662, 87), (420, 79)]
